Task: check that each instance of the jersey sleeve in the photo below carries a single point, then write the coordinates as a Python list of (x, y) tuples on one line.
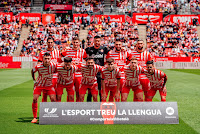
[(85, 54), (129, 56), (162, 74), (35, 69), (40, 58), (118, 76), (150, 57)]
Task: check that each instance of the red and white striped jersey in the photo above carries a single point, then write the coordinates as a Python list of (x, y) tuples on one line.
[(65, 77), (156, 79), (45, 74), (89, 75), (110, 77), (142, 57), (55, 55), (76, 55), (121, 58), (132, 77)]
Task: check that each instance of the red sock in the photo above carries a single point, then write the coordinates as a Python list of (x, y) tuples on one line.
[(111, 99), (58, 100), (34, 109), (44, 96)]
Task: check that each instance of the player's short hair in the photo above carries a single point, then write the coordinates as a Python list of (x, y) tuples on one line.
[(50, 38), (76, 38), (68, 59), (134, 58), (97, 37), (110, 60), (117, 39), (150, 62), (89, 58), (140, 40), (47, 54)]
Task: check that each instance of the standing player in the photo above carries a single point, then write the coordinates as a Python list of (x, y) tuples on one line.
[(76, 53), (65, 79), (132, 72), (143, 56), (157, 80), (89, 81), (98, 52), (121, 57), (44, 82), (110, 80), (55, 55)]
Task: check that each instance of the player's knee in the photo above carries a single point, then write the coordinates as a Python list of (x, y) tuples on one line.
[(35, 100), (59, 98), (81, 98), (95, 98), (150, 97), (124, 98), (71, 97)]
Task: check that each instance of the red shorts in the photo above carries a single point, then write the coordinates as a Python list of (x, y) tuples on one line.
[(112, 90), (135, 89), (93, 89), (49, 90), (153, 91), (145, 83), (77, 83), (54, 82), (69, 89)]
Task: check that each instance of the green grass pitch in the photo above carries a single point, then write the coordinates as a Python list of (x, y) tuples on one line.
[(16, 89)]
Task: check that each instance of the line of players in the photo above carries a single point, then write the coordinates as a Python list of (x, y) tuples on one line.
[(76, 71)]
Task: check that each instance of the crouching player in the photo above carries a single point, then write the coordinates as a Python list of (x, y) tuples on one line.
[(44, 82), (157, 80), (89, 81), (132, 72), (65, 79), (110, 81)]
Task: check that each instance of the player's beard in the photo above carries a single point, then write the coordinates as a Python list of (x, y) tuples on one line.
[(140, 48), (118, 49), (90, 66)]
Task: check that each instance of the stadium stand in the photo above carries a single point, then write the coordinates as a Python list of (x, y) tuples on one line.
[(172, 39), (148, 6), (15, 6), (88, 6), (128, 33), (195, 5), (62, 33), (9, 37)]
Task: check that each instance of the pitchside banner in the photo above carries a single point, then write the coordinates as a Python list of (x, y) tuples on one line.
[(7, 15), (33, 17), (183, 18), (109, 113), (142, 18), (58, 7)]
